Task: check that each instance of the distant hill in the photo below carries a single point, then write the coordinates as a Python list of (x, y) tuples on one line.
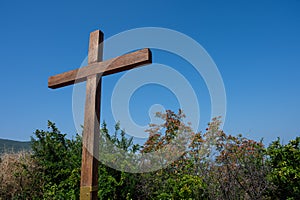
[(13, 146)]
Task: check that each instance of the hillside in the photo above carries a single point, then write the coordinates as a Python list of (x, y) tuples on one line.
[(13, 146)]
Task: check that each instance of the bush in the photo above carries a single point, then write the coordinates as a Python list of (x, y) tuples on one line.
[(213, 165), (18, 178), (59, 161), (285, 174)]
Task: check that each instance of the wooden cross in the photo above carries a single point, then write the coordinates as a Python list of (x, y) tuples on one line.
[(92, 74)]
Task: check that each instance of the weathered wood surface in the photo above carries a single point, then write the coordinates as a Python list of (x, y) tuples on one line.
[(91, 130), (114, 65), (92, 74)]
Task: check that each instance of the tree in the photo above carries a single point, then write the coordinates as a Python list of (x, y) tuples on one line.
[(285, 163), (213, 165), (175, 180), (233, 167), (59, 164), (59, 161), (114, 184)]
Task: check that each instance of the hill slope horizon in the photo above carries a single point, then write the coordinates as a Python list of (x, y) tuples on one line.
[(13, 146)]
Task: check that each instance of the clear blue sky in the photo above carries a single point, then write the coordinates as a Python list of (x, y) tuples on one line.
[(255, 44)]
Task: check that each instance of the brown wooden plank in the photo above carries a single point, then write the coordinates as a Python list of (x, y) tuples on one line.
[(91, 131), (118, 64), (95, 53)]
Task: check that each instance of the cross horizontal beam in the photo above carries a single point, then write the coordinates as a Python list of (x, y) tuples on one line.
[(114, 65)]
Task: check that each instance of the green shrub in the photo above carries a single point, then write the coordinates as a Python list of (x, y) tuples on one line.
[(59, 161), (213, 165), (285, 163)]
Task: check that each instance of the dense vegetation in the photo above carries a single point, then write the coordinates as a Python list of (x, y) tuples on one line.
[(214, 165)]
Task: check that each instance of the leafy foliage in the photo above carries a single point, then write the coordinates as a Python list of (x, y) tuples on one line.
[(177, 180), (209, 165), (59, 159), (60, 162), (114, 184), (285, 163), (240, 169)]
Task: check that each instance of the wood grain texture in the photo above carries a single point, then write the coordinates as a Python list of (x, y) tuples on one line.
[(95, 47), (92, 74), (91, 129), (115, 65)]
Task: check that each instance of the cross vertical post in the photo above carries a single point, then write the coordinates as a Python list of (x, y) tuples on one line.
[(91, 130), (92, 74)]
